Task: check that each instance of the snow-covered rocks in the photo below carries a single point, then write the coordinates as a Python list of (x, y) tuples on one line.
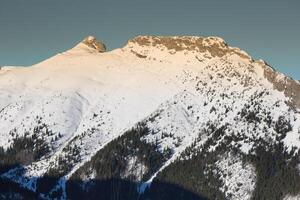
[(92, 42)]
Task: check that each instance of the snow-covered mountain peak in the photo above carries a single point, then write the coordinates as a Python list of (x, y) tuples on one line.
[(186, 90)]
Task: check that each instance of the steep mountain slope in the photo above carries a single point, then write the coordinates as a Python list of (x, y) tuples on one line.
[(139, 116)]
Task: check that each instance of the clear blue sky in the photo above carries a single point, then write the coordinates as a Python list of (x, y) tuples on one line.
[(32, 30)]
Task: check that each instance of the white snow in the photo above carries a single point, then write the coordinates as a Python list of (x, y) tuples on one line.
[(292, 138), (238, 177), (292, 197)]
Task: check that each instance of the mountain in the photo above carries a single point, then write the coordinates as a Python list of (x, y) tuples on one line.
[(164, 117)]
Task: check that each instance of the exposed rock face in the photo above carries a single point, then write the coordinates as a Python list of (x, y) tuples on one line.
[(215, 45), (290, 87), (92, 42)]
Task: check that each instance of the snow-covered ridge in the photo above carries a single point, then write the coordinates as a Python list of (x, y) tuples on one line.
[(281, 82)]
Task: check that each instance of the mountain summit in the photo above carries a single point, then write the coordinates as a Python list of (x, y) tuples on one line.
[(92, 42), (164, 117)]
